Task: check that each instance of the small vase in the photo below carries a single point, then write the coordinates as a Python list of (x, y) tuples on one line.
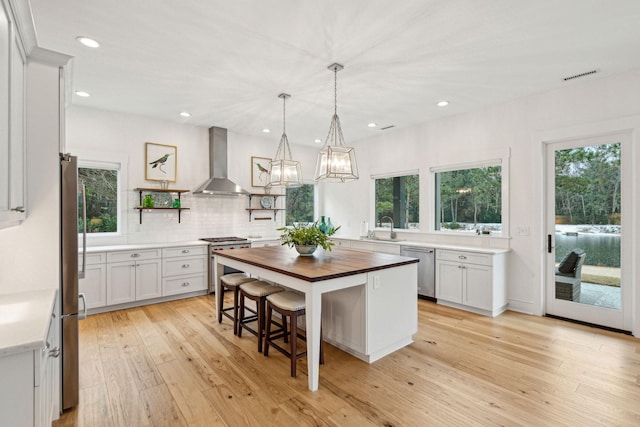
[(306, 250), (323, 226)]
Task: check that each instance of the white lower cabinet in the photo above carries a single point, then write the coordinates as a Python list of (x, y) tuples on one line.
[(472, 281), (117, 278), (184, 270), (27, 386), (133, 280)]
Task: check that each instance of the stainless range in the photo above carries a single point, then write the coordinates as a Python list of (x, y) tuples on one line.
[(219, 244)]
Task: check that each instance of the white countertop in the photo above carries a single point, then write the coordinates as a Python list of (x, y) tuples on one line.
[(476, 249), (24, 320), (140, 246)]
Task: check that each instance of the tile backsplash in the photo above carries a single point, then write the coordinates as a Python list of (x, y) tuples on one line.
[(208, 216)]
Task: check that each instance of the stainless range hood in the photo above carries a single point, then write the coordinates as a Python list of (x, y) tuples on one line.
[(219, 184)]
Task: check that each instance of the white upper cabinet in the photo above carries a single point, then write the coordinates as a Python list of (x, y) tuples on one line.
[(12, 123)]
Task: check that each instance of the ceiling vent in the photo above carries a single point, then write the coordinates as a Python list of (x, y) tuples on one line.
[(577, 76), (388, 127)]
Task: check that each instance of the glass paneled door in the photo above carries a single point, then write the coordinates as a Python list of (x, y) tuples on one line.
[(585, 224)]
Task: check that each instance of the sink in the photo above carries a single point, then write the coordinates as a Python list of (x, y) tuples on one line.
[(380, 239)]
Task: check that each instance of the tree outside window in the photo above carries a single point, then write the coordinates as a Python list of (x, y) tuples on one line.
[(101, 188), (469, 200), (300, 204), (397, 198)]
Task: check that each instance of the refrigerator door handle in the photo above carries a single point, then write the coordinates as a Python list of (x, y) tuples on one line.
[(83, 315), (83, 271)]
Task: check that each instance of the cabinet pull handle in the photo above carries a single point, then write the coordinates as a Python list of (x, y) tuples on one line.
[(185, 284), (185, 265), (135, 255), (18, 209), (462, 257), (47, 346), (185, 251), (54, 352)]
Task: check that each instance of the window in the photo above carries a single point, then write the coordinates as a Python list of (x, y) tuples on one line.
[(469, 200), (101, 188), (300, 204), (397, 199)]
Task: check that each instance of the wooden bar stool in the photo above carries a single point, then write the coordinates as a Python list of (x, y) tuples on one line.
[(232, 282), (257, 291), (292, 305)]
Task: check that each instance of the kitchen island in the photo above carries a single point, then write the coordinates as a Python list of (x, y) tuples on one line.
[(367, 301)]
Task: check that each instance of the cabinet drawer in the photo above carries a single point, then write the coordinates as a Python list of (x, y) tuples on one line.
[(94, 258), (133, 255), (376, 247), (466, 257), (184, 251), (181, 266), (264, 243), (183, 284), (342, 243)]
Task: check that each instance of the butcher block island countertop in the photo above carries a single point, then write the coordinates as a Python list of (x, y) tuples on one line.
[(367, 301), (323, 265)]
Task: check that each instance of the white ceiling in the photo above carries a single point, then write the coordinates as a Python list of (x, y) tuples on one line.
[(225, 62)]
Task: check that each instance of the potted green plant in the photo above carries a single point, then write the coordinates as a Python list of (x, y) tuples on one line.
[(306, 238)]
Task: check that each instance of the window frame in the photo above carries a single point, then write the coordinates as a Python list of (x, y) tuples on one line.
[(315, 203), (395, 174), (491, 158), (109, 161)]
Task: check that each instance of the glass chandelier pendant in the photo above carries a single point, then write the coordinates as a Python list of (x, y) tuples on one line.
[(284, 171), (336, 162)]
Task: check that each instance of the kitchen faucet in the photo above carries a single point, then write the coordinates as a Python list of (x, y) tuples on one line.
[(392, 235)]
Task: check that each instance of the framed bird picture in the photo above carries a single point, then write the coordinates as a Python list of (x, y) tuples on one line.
[(260, 171), (161, 162)]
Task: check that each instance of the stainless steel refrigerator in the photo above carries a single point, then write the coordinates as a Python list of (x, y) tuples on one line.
[(72, 201)]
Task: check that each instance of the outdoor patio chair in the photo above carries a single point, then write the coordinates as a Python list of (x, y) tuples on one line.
[(569, 275)]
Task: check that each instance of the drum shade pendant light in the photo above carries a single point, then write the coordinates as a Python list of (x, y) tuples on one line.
[(285, 172), (336, 162)]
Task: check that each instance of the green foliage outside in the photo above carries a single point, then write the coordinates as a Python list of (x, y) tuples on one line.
[(101, 187), (588, 185), (398, 198), (300, 204), (469, 196)]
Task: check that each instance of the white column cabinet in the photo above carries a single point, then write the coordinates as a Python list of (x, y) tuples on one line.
[(471, 281), (12, 123)]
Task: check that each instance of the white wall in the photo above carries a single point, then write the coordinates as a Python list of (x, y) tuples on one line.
[(96, 134), (29, 253), (516, 126)]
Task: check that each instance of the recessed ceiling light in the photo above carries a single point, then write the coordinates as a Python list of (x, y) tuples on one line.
[(88, 42), (442, 103), (265, 130), (83, 94), (317, 140), (185, 114), (372, 125)]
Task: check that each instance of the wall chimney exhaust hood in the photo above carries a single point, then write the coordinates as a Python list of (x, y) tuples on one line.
[(219, 184)]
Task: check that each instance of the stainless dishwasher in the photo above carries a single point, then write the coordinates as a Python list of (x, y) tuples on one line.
[(426, 269)]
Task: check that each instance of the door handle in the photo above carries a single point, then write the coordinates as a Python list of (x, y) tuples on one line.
[(549, 247), (83, 315)]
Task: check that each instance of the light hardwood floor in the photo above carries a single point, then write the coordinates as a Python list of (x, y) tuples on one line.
[(172, 364)]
